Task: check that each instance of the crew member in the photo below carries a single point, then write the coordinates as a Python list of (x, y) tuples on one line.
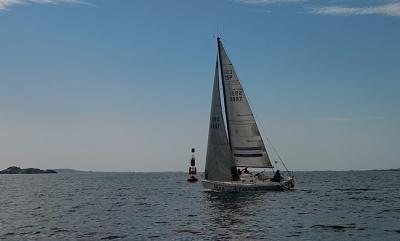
[(277, 177)]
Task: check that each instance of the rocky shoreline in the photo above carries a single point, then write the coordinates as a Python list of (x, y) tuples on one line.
[(18, 170)]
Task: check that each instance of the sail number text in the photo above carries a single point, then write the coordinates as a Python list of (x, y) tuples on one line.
[(214, 122), (228, 74), (236, 95)]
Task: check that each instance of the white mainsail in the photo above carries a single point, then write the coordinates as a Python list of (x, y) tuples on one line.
[(247, 146), (219, 160)]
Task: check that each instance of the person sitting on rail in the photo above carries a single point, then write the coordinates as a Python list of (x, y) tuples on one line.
[(277, 177)]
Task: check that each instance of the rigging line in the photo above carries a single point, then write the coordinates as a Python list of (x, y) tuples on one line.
[(279, 157), (255, 119), (266, 137)]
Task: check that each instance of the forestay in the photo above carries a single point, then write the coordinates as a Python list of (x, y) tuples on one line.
[(244, 137)]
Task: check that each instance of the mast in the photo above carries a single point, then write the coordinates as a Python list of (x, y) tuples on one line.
[(223, 91)]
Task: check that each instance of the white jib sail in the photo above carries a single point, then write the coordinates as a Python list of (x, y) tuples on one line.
[(219, 156), (247, 145)]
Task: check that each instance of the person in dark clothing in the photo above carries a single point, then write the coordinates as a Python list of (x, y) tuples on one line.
[(239, 172), (234, 173), (277, 177)]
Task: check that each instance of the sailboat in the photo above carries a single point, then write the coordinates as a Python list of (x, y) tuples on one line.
[(238, 144)]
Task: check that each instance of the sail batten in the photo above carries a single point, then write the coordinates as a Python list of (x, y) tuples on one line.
[(246, 143)]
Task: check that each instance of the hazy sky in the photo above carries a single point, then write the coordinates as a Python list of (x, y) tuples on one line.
[(125, 85)]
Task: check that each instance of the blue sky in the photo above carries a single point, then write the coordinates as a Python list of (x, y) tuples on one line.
[(125, 85)]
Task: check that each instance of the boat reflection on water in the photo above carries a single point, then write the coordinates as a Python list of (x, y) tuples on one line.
[(235, 216)]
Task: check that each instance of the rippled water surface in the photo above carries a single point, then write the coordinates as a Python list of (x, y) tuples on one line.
[(362, 205)]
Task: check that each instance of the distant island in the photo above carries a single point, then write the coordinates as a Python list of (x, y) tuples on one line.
[(18, 170)]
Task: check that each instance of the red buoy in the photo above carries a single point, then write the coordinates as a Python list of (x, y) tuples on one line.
[(192, 169)]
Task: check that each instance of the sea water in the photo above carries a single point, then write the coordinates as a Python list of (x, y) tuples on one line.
[(351, 205)]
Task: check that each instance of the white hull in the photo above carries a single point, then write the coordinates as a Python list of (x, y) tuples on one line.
[(240, 186)]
